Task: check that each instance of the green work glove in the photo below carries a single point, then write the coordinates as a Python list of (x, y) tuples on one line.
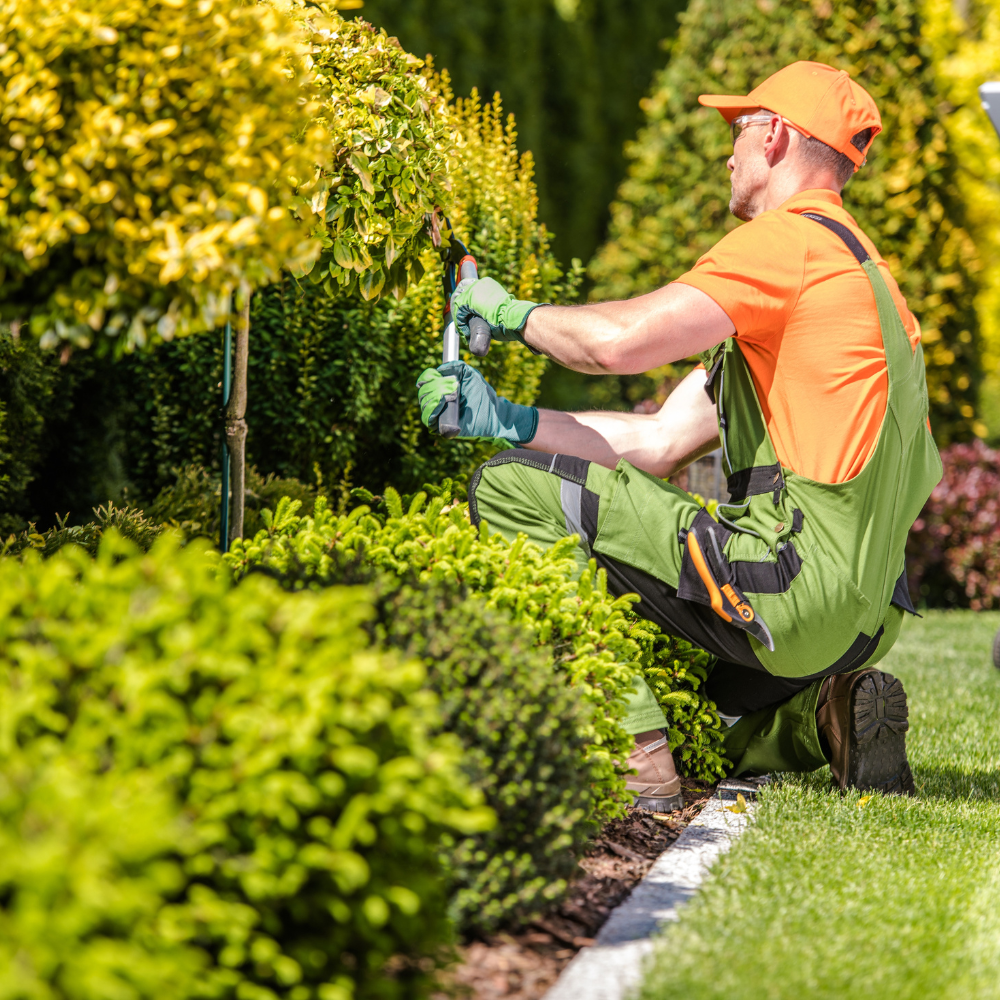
[(481, 412), (489, 299)]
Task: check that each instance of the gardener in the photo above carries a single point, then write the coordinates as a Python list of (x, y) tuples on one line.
[(812, 378)]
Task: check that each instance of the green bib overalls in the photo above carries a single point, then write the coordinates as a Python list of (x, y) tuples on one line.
[(820, 563)]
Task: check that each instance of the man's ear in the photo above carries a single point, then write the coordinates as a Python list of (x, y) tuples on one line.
[(776, 141)]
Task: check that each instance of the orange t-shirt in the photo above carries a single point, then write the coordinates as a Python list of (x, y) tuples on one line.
[(806, 322)]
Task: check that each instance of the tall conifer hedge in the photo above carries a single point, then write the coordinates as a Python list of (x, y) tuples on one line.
[(674, 204), (966, 42), (572, 71)]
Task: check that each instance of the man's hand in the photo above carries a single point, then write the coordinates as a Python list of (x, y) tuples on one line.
[(481, 412), (489, 299)]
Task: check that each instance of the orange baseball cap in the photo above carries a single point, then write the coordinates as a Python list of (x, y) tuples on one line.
[(820, 101)]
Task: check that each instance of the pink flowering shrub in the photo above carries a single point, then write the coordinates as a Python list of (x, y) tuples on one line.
[(953, 553)]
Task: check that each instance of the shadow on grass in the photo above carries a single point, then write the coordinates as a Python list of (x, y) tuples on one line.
[(958, 785), (951, 783)]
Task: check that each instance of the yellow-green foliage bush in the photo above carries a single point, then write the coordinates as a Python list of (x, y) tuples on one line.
[(331, 380), (674, 204), (213, 790), (150, 152), (90, 863), (391, 129)]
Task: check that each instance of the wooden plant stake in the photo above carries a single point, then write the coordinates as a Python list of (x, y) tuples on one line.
[(236, 425)]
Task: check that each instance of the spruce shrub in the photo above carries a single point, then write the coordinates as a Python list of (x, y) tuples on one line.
[(674, 204), (214, 789), (128, 522), (596, 641), (192, 504)]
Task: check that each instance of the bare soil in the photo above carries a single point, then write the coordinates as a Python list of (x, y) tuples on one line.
[(522, 965)]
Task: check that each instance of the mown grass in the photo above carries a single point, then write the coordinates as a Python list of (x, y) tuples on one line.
[(828, 896)]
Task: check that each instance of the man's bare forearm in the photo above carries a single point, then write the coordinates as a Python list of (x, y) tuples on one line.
[(625, 338), (661, 443)]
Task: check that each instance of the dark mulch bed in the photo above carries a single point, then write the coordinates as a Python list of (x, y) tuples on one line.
[(524, 964)]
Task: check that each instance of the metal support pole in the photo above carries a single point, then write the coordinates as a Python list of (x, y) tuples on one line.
[(989, 94), (227, 376)]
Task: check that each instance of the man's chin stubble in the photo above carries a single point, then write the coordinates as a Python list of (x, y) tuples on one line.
[(742, 207)]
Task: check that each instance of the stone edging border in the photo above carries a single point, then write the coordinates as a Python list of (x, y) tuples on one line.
[(613, 966)]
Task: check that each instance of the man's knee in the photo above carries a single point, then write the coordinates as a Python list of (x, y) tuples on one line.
[(520, 491)]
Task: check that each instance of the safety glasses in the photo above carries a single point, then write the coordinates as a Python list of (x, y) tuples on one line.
[(737, 125)]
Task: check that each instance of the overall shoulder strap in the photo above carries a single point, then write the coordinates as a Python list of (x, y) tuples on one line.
[(853, 243), (905, 365)]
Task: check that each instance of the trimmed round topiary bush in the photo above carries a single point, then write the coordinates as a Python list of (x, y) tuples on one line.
[(151, 154), (523, 733)]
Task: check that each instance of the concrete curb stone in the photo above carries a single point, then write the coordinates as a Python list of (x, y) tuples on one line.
[(613, 967)]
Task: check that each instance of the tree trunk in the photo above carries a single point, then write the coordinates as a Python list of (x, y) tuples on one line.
[(236, 426)]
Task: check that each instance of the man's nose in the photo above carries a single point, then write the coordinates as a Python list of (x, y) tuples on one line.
[(731, 162)]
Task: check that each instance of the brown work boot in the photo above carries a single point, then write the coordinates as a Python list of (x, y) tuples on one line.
[(863, 718), (656, 786)]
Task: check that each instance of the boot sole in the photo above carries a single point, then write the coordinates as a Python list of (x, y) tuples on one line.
[(879, 721), (658, 804)]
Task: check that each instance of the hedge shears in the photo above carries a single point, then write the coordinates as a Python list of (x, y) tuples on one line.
[(459, 265)]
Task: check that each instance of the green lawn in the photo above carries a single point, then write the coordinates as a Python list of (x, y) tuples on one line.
[(828, 896)]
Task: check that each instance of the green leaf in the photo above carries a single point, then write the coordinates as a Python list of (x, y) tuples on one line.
[(371, 283), (342, 254), (359, 163)]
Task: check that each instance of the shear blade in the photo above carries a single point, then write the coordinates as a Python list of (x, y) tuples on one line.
[(727, 602), (761, 632)]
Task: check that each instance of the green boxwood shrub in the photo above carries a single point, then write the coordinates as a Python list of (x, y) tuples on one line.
[(262, 793), (192, 503), (673, 206)]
